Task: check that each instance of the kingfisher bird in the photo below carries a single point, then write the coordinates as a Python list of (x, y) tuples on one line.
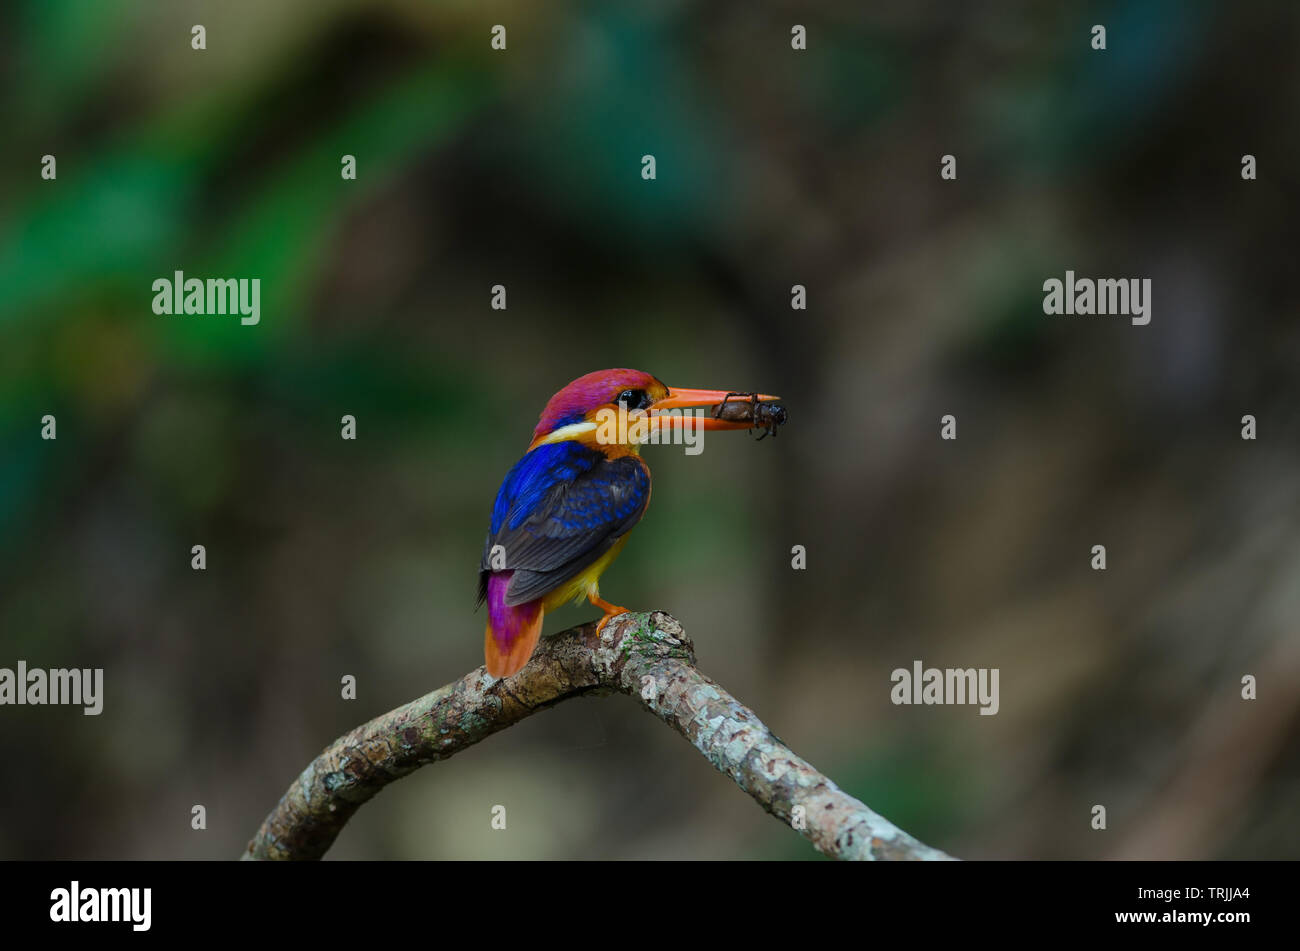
[(564, 510)]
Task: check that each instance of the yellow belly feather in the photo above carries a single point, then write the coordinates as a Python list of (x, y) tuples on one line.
[(588, 582)]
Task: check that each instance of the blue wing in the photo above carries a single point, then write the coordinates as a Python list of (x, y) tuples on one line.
[(559, 509)]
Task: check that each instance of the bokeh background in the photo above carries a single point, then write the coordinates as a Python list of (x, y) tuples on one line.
[(775, 167)]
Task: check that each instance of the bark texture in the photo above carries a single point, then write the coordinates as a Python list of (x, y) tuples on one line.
[(648, 657)]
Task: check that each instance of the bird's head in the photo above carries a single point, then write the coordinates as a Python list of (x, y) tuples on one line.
[(590, 409)]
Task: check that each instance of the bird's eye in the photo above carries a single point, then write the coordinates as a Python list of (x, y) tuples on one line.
[(633, 399)]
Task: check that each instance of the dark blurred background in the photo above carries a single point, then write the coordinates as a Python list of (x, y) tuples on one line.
[(775, 167)]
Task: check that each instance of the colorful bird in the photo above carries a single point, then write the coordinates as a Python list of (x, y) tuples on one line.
[(564, 511)]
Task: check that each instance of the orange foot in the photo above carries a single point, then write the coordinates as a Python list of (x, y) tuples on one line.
[(611, 611)]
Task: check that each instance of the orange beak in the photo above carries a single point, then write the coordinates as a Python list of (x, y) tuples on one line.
[(700, 399)]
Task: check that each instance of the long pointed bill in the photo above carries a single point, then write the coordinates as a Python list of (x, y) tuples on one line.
[(683, 401)]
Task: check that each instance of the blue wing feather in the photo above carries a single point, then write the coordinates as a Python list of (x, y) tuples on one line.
[(561, 507)]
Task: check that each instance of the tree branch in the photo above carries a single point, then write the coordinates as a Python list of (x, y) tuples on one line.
[(646, 656)]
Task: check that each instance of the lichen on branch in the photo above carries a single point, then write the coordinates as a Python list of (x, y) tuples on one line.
[(646, 656)]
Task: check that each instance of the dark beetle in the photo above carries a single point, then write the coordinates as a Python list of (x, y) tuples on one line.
[(764, 416)]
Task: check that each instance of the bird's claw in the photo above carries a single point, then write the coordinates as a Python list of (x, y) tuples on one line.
[(610, 611)]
